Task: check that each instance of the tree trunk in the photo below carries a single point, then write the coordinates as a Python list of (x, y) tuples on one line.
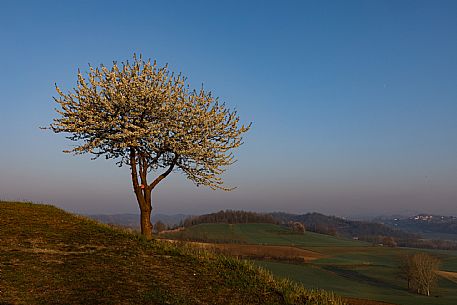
[(144, 202), (146, 225), (143, 197), (143, 190)]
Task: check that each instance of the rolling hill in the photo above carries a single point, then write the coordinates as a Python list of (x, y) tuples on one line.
[(48, 256), (314, 222), (320, 223)]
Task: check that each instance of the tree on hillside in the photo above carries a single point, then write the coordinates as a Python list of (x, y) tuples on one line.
[(297, 226), (389, 241), (147, 118), (419, 270)]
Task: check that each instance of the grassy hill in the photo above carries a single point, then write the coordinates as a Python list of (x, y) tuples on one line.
[(48, 256), (260, 233), (349, 267)]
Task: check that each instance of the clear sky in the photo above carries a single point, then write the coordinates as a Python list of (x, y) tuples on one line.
[(353, 103)]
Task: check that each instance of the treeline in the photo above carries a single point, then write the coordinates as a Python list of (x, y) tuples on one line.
[(230, 217), (428, 244)]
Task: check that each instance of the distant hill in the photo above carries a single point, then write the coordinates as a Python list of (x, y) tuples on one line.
[(440, 231), (314, 222), (429, 225), (48, 256), (133, 220), (333, 225), (421, 231)]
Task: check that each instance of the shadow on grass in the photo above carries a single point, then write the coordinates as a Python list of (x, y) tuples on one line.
[(357, 276)]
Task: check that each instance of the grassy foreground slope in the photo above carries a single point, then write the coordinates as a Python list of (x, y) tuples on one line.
[(48, 256)]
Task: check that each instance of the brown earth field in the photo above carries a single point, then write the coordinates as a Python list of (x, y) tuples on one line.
[(452, 276), (284, 253), (354, 301)]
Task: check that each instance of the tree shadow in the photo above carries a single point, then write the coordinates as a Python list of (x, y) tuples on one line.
[(357, 276)]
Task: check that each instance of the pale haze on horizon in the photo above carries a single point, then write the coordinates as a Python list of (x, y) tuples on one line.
[(353, 104)]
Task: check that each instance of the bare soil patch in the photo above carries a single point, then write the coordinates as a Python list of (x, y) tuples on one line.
[(287, 253), (354, 301), (452, 276)]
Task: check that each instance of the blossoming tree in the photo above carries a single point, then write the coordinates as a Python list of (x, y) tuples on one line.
[(147, 118)]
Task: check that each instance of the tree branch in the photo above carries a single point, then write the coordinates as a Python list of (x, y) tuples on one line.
[(168, 171), (157, 157), (133, 169), (143, 169)]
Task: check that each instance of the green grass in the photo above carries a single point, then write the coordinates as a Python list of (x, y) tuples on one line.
[(264, 234), (350, 268), (366, 282), (48, 256)]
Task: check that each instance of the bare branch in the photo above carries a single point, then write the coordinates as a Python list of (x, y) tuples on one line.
[(165, 174), (133, 168)]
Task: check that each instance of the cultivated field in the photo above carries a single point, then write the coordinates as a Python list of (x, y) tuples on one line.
[(284, 253), (351, 268), (261, 234)]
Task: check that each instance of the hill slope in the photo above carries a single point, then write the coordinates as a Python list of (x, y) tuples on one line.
[(48, 256), (259, 233), (315, 222), (320, 223)]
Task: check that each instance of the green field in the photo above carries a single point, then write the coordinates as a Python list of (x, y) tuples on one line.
[(348, 267), (263, 234)]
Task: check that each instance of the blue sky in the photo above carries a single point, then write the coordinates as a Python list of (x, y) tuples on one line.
[(353, 103)]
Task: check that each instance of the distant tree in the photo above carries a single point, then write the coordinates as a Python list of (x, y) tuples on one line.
[(407, 270), (389, 241), (160, 226), (420, 272), (332, 231), (296, 226), (145, 117)]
